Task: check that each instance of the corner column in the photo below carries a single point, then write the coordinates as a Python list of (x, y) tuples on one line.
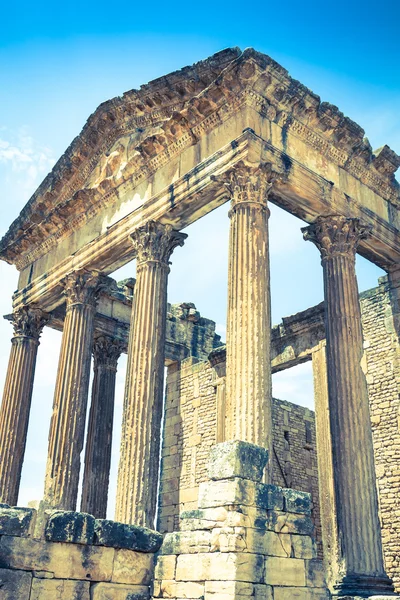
[(67, 426), (141, 424), (106, 352), (28, 324), (248, 339), (360, 561)]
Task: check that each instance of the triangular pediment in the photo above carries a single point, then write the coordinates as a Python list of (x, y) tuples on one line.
[(129, 138)]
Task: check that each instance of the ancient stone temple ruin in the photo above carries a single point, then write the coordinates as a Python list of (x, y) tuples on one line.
[(253, 497)]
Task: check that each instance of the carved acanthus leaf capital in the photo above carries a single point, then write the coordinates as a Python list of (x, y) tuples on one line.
[(29, 321), (106, 351), (336, 235), (249, 184), (84, 287), (155, 241)]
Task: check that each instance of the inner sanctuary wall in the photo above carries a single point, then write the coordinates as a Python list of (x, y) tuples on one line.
[(193, 423)]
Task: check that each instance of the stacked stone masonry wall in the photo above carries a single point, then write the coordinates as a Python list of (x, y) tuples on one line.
[(382, 367), (190, 430)]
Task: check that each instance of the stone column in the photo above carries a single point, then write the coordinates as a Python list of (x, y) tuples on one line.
[(28, 323), (248, 338), (360, 560), (325, 467), (106, 352), (67, 426), (141, 424)]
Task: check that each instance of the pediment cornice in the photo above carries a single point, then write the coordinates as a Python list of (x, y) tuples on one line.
[(232, 81)]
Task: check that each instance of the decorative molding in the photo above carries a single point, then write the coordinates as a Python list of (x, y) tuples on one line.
[(336, 235), (156, 242), (84, 287), (29, 321), (106, 351), (252, 79)]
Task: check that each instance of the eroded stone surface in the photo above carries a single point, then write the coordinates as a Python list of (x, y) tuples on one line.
[(237, 459), (120, 535), (69, 526)]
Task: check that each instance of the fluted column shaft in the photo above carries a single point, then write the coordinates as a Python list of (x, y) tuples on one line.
[(248, 362), (106, 352), (67, 426), (360, 560), (28, 323), (143, 401)]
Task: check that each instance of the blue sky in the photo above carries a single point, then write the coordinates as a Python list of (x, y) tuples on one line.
[(58, 62)]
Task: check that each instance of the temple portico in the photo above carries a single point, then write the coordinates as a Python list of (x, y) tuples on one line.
[(237, 129)]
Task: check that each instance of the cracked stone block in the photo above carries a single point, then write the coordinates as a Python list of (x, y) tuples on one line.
[(121, 535), (69, 526), (16, 521), (297, 502), (15, 585), (237, 459)]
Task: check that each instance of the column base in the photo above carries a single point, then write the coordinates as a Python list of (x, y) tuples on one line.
[(364, 586)]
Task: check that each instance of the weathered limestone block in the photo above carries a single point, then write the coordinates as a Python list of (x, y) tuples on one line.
[(67, 561), (228, 590), (295, 593), (69, 526), (117, 591), (297, 502), (263, 592), (237, 459), (121, 535), (303, 546), (59, 589), (132, 567), (16, 521), (285, 571), (240, 491), (180, 589), (208, 518), (165, 567), (288, 523), (268, 543), (14, 585), (315, 575), (186, 542), (227, 566)]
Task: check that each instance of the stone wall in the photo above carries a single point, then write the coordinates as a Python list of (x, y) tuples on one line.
[(193, 408), (73, 556), (382, 366)]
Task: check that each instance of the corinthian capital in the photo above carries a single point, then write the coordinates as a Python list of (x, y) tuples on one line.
[(106, 351), (156, 242), (247, 184), (83, 287), (336, 235), (29, 321)]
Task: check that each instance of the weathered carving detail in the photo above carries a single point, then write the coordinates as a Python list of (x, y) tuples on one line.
[(83, 287), (106, 351), (249, 184), (156, 242), (334, 235), (29, 321)]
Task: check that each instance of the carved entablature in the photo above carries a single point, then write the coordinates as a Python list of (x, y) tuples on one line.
[(336, 235), (128, 139)]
